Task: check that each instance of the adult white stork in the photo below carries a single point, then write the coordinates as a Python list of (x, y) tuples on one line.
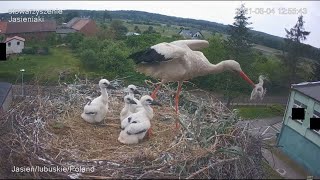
[(179, 61)]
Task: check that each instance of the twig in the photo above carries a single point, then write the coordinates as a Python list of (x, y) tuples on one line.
[(210, 166)]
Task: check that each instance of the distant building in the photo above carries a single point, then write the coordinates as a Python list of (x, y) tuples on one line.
[(28, 30), (5, 96), (191, 34), (85, 26), (14, 45), (296, 139), (63, 31), (132, 33)]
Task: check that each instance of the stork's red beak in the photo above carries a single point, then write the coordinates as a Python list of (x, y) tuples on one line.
[(245, 77)]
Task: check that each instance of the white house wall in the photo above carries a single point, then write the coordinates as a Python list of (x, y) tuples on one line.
[(14, 48)]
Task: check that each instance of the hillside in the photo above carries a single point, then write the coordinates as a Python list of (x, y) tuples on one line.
[(140, 17)]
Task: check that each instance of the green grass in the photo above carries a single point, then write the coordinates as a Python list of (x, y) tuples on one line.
[(163, 29), (44, 68), (250, 112), (267, 50)]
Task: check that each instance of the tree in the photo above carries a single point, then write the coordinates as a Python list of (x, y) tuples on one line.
[(106, 15), (137, 30), (1, 37), (118, 29), (71, 15), (239, 41), (294, 48), (149, 30), (239, 45)]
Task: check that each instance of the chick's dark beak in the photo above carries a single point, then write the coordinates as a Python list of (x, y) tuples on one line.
[(136, 92), (155, 103), (110, 87), (132, 101)]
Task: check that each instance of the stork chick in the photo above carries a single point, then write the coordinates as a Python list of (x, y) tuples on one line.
[(95, 111), (135, 126), (132, 91), (259, 91), (128, 102)]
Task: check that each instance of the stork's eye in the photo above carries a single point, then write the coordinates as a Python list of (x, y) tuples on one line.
[(131, 89), (128, 99)]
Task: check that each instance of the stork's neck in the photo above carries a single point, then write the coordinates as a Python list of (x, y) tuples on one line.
[(215, 68), (126, 106), (147, 110), (261, 81), (104, 93), (131, 94)]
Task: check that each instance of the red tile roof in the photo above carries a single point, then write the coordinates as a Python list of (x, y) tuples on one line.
[(3, 27), (14, 37), (80, 24), (25, 27)]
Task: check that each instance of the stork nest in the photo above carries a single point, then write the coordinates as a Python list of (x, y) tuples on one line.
[(45, 129)]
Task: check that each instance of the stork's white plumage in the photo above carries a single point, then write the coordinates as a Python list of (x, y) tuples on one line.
[(132, 91), (95, 111), (128, 102), (259, 91), (135, 126), (179, 61)]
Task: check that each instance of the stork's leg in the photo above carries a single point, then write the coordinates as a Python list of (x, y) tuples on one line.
[(177, 102), (153, 95), (149, 132)]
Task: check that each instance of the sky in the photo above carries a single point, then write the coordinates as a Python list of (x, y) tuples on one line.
[(216, 11)]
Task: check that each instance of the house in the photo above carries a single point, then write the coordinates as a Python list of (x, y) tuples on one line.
[(28, 30), (191, 34), (296, 139), (132, 33), (14, 45), (5, 96), (85, 26)]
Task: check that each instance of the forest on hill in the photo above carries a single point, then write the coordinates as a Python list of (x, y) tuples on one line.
[(140, 17), (106, 53)]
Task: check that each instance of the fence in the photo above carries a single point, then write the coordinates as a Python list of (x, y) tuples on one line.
[(245, 100)]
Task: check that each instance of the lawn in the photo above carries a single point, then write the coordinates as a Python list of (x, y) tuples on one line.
[(163, 29), (45, 68), (254, 112)]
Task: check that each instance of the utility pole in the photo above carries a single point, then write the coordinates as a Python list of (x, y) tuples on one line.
[(22, 70)]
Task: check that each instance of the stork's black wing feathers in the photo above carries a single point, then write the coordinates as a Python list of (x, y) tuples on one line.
[(142, 131), (148, 56)]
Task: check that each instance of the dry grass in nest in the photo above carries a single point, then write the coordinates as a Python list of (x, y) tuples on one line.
[(89, 141), (46, 129)]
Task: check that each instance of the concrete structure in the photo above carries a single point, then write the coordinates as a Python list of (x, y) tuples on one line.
[(296, 139), (14, 45), (191, 34), (5, 96), (132, 33)]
